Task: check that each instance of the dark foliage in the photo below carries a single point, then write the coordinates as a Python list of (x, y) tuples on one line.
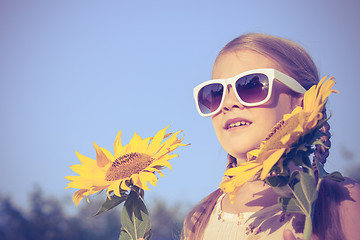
[(46, 220)]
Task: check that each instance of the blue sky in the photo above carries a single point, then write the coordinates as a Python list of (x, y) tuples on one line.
[(75, 72)]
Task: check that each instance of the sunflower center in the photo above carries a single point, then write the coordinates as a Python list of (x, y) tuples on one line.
[(127, 165)]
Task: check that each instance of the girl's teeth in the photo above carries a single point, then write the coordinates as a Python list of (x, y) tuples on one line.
[(241, 123)]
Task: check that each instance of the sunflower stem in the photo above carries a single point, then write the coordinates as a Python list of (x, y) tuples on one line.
[(307, 228)]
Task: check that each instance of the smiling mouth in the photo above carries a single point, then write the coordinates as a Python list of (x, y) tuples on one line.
[(238, 124)]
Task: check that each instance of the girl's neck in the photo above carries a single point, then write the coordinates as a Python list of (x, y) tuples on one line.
[(241, 159), (251, 197)]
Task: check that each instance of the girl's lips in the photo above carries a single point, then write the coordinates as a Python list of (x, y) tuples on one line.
[(236, 122)]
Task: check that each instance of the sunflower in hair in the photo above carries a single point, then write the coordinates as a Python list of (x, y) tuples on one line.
[(286, 135), (134, 164)]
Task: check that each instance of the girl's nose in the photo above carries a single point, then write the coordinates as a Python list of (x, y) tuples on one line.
[(231, 101)]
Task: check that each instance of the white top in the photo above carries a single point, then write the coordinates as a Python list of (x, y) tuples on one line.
[(269, 225)]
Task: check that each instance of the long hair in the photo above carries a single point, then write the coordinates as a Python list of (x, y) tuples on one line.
[(297, 63)]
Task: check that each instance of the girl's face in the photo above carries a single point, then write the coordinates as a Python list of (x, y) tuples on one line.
[(259, 120)]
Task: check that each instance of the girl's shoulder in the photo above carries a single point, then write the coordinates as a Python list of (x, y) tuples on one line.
[(349, 208), (348, 192), (352, 186)]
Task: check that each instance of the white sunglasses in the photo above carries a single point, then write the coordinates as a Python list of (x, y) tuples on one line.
[(252, 88)]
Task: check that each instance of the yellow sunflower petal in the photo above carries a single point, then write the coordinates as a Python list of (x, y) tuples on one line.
[(169, 146), (152, 169), (158, 171), (101, 158), (156, 141), (132, 146), (124, 185), (252, 154), (296, 111), (231, 186), (241, 168), (152, 179), (115, 187), (146, 177), (85, 160), (117, 145), (325, 90), (175, 146), (313, 120), (167, 157), (88, 171), (77, 182), (84, 182), (161, 163), (140, 182), (135, 143), (298, 128), (172, 140), (78, 196), (309, 99), (285, 138), (270, 162), (108, 154), (79, 169), (126, 149), (141, 144)]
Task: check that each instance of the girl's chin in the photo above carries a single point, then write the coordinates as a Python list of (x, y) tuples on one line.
[(241, 153), (240, 156)]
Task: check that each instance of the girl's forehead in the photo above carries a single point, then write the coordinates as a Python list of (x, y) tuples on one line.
[(230, 64)]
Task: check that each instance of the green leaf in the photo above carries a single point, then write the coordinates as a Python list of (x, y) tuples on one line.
[(308, 186), (277, 181), (284, 191), (321, 170), (287, 191), (111, 203), (336, 176), (305, 192), (125, 235), (289, 205), (135, 217), (148, 235), (294, 178)]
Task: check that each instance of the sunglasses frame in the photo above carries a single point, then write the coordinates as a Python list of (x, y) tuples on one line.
[(270, 73)]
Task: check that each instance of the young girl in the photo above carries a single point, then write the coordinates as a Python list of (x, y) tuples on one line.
[(241, 121)]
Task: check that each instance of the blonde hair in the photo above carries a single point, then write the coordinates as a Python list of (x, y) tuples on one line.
[(297, 63)]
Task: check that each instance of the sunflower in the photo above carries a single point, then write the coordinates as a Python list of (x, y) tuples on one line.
[(281, 139), (134, 164)]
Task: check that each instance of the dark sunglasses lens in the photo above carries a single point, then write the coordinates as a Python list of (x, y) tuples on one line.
[(209, 97), (253, 88)]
